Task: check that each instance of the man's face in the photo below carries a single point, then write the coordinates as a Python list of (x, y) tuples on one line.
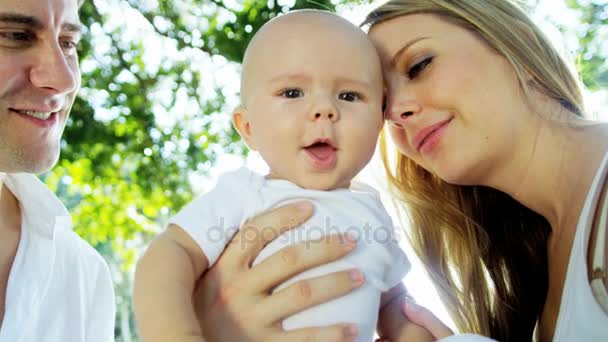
[(39, 79)]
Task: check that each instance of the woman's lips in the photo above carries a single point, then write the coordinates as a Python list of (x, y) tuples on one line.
[(429, 136)]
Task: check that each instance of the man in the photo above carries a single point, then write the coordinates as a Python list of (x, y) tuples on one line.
[(53, 285)]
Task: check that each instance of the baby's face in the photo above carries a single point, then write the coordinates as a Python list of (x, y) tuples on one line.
[(314, 101)]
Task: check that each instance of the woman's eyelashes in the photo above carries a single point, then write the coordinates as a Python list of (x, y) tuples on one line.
[(418, 68)]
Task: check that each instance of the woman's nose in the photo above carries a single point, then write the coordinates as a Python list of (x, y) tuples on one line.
[(400, 108)]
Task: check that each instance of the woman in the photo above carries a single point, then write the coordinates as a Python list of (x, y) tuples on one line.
[(495, 163), (501, 176)]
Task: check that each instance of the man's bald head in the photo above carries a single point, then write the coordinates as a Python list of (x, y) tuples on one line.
[(297, 27)]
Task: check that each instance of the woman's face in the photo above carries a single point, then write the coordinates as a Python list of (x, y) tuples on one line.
[(454, 106)]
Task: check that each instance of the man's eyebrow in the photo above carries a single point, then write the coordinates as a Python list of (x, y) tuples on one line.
[(396, 56), (35, 23), (26, 20), (72, 27)]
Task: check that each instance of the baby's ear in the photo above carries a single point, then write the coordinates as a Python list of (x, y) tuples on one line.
[(240, 121)]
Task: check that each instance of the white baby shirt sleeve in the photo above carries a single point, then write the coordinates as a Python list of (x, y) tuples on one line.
[(395, 261), (399, 266), (467, 338), (212, 219)]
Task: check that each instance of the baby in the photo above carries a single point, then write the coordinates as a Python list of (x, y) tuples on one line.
[(312, 93)]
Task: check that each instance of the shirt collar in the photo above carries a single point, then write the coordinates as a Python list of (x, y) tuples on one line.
[(40, 206)]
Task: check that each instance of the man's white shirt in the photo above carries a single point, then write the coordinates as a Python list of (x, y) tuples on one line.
[(59, 287)]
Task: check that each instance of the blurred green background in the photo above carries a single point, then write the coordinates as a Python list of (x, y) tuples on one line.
[(160, 78)]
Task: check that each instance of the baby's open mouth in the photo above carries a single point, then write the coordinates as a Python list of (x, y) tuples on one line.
[(321, 150), (322, 155)]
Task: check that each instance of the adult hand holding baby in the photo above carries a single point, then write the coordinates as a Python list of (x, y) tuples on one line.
[(237, 297)]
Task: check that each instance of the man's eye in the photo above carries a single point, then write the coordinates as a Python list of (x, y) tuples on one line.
[(349, 96), (69, 44), (292, 93), (70, 47), (17, 36), (419, 67)]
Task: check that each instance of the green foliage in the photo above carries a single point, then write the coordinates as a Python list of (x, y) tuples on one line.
[(127, 156), (593, 34)]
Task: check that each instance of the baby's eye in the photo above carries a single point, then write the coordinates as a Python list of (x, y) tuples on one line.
[(349, 96), (419, 67), (292, 93)]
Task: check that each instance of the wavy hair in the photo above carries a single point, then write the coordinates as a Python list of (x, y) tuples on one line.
[(485, 252)]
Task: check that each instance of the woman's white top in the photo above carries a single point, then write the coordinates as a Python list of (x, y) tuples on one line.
[(581, 318)]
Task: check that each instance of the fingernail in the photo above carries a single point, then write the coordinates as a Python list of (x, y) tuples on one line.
[(356, 276), (304, 206), (351, 330)]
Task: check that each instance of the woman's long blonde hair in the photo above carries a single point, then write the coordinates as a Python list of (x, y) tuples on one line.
[(485, 252)]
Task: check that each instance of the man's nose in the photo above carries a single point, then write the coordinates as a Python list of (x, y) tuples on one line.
[(53, 71)]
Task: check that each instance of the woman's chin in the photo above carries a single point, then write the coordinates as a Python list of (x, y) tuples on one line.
[(456, 176)]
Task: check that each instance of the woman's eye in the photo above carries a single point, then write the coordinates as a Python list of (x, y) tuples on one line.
[(419, 67), (292, 93), (349, 96)]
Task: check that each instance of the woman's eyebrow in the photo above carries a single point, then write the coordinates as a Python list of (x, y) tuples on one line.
[(404, 48)]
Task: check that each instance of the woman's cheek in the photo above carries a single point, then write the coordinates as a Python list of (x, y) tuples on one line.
[(400, 140)]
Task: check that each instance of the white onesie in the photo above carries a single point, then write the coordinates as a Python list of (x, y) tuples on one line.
[(213, 218)]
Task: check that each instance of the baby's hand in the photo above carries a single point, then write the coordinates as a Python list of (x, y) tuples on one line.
[(393, 325), (422, 317)]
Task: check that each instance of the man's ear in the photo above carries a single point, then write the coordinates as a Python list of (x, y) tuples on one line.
[(240, 121)]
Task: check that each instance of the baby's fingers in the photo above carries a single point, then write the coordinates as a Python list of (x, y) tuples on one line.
[(423, 317)]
